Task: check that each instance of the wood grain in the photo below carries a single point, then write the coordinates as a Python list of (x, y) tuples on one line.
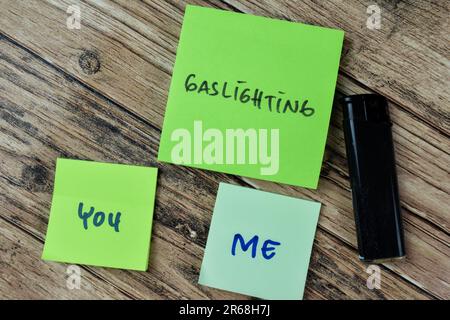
[(83, 123), (24, 276), (134, 45), (405, 60), (129, 45)]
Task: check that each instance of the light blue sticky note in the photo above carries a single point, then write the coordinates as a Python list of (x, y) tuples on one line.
[(259, 243)]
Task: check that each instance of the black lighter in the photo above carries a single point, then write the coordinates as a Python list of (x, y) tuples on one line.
[(371, 162)]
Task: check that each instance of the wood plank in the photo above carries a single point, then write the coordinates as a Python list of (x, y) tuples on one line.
[(330, 255), (125, 32), (45, 115), (40, 115), (415, 142), (24, 276), (405, 60), (129, 41)]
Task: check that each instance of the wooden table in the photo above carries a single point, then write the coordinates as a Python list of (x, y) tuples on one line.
[(99, 93)]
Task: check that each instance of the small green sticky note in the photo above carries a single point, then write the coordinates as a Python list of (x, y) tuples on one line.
[(251, 96), (259, 243), (101, 214)]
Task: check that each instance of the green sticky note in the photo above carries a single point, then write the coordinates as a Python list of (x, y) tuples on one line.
[(101, 214), (251, 96), (259, 243)]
